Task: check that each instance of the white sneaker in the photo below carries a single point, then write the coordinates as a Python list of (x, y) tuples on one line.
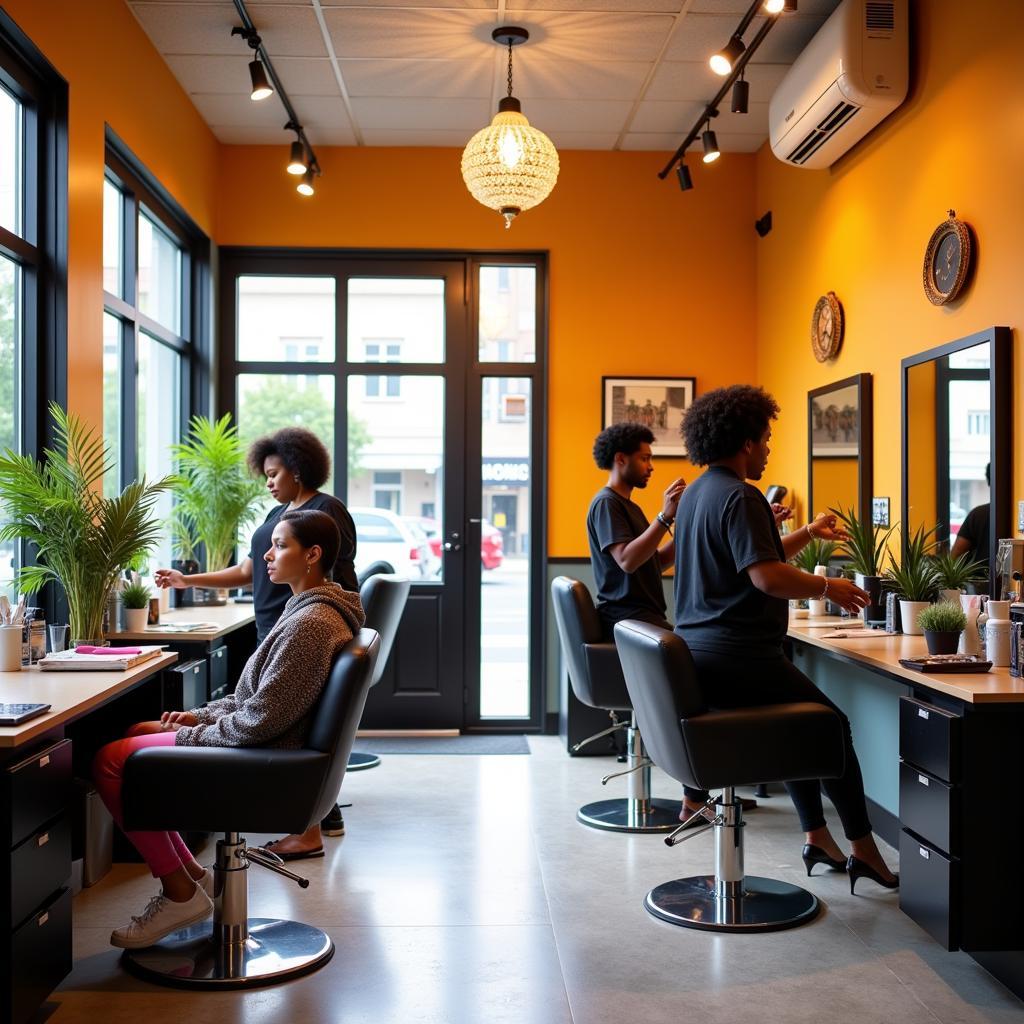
[(161, 917), (205, 882)]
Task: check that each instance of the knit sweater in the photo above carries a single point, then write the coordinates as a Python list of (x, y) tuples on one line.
[(282, 680)]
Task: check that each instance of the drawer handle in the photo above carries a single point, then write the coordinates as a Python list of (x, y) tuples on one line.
[(195, 671), (921, 713), (923, 780), (44, 760), (43, 918), (43, 839), (924, 853)]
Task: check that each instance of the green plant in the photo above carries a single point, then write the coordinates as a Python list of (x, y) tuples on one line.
[(215, 496), (942, 618), (915, 578), (82, 539), (816, 552), (959, 572), (135, 595), (867, 543)]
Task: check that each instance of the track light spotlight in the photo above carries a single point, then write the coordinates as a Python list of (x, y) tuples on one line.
[(685, 180), (297, 160), (774, 6), (305, 187), (261, 88), (740, 96), (722, 62), (711, 150), (789, 6)]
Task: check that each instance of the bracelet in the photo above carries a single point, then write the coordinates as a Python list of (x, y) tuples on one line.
[(824, 589), (810, 532), (665, 521)]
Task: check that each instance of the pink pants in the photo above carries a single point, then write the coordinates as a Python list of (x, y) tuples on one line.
[(164, 852)]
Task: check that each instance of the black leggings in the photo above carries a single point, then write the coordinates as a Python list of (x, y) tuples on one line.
[(728, 681)]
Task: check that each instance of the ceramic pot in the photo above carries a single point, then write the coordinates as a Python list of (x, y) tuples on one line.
[(10, 648), (874, 610), (941, 642), (135, 619), (817, 608), (909, 611)]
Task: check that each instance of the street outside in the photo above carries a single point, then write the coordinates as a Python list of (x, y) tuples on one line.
[(505, 640)]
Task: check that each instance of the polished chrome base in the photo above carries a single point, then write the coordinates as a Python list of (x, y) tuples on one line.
[(626, 815), (274, 951), (766, 905), (360, 762)]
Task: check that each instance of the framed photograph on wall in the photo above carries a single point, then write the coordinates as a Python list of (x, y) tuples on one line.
[(657, 403), (835, 423)]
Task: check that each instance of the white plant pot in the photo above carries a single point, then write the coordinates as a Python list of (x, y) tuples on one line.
[(816, 609), (135, 620), (909, 611), (950, 597)]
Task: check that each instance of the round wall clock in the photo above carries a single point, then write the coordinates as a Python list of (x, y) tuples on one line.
[(826, 327), (946, 260)]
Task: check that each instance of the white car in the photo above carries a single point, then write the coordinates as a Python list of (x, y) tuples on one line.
[(382, 536)]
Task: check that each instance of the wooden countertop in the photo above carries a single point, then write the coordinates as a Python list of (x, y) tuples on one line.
[(227, 618), (71, 694), (882, 652)]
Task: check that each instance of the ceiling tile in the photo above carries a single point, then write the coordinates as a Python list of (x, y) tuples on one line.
[(728, 142), (489, 5), (412, 34), (699, 36), (416, 137), (595, 37), (414, 113), (584, 140), (300, 77), (616, 6), (653, 116), (689, 80), (578, 115), (787, 40), (222, 109), (573, 79), (463, 78)]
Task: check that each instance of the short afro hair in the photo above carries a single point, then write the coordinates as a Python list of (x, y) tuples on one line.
[(720, 422), (299, 449), (619, 437)]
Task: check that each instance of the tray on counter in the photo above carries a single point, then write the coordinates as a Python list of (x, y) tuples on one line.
[(947, 663)]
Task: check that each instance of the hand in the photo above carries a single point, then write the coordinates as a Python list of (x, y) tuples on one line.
[(847, 594), (825, 527), (673, 493), (781, 513), (165, 578), (176, 719)]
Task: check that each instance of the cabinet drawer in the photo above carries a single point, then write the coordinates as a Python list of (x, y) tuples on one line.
[(929, 889), (218, 673), (930, 808), (38, 788), (185, 686), (40, 957), (930, 739), (39, 867)]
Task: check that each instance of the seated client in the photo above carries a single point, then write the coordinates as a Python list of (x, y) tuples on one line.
[(270, 707), (732, 586)]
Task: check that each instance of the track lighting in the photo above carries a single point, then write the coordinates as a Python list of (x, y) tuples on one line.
[(740, 96), (305, 187), (261, 87), (789, 6), (774, 6), (297, 160), (711, 150), (722, 62), (685, 180)]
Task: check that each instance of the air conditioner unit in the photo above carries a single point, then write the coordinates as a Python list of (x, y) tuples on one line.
[(850, 77)]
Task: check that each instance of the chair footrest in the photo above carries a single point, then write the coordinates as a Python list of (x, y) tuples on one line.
[(625, 815)]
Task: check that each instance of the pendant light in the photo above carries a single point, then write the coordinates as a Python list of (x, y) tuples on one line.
[(510, 166)]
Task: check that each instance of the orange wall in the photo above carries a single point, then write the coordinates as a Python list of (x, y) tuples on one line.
[(114, 76), (644, 280), (861, 228)]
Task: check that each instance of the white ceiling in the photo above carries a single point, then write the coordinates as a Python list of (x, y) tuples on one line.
[(595, 74)]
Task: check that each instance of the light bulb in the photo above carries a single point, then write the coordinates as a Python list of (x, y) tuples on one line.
[(510, 148), (305, 187), (774, 6)]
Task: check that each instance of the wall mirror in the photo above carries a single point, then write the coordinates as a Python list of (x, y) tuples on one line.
[(956, 442), (839, 446)]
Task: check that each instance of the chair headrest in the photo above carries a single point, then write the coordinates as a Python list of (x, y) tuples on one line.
[(656, 659)]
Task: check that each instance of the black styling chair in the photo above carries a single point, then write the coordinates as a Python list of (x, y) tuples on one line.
[(383, 598), (596, 678), (253, 789), (707, 749), (372, 570)]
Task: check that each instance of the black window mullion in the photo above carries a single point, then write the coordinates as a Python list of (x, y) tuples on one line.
[(129, 402)]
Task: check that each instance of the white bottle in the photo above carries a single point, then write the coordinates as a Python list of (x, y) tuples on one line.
[(817, 607), (997, 634)]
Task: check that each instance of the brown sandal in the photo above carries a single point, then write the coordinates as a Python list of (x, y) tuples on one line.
[(294, 854)]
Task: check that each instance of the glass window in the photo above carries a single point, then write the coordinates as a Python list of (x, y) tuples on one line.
[(286, 319), (113, 239), (10, 390), (508, 314), (11, 199), (407, 310), (383, 352), (159, 274), (112, 330)]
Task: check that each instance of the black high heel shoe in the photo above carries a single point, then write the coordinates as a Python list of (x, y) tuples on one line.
[(858, 869), (816, 855)]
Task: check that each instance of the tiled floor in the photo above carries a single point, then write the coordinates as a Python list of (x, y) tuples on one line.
[(465, 892)]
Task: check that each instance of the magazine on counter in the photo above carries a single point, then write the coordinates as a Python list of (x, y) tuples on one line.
[(72, 661)]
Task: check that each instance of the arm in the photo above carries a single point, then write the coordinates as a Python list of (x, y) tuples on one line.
[(234, 576), (667, 555), (824, 527), (632, 554), (779, 579), (962, 545)]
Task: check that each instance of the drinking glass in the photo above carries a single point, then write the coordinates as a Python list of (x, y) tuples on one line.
[(58, 638)]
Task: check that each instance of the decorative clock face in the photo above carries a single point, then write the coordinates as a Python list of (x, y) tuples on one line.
[(946, 263), (946, 260), (826, 327)]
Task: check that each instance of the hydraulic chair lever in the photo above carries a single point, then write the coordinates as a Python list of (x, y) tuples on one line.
[(597, 735), (267, 859), (645, 763), (688, 831)]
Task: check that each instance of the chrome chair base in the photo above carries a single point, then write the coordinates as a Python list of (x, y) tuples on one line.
[(766, 905), (358, 762), (274, 951), (629, 815)]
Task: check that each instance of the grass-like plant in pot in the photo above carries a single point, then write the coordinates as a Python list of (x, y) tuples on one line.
[(816, 552), (958, 572), (866, 551), (214, 495), (135, 598), (914, 579), (83, 540), (942, 624)]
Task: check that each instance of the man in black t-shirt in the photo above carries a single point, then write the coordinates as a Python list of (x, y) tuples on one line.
[(975, 536)]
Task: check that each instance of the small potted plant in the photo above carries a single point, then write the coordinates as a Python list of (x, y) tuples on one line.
[(915, 579), (816, 552), (135, 598), (942, 624), (866, 551), (956, 574)]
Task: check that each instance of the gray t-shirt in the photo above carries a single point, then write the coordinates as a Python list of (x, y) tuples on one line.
[(723, 526)]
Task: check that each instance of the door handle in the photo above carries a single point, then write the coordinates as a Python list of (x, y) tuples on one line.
[(449, 546)]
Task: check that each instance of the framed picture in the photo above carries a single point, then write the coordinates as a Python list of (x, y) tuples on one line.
[(835, 423), (657, 403)]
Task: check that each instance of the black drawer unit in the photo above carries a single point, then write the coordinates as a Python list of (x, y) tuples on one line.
[(185, 686), (929, 889), (218, 673), (36, 789), (39, 867), (930, 738), (930, 808), (37, 956)]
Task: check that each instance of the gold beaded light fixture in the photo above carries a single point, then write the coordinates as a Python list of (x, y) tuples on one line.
[(510, 166)]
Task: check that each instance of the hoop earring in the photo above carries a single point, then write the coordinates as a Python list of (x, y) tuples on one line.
[(297, 480)]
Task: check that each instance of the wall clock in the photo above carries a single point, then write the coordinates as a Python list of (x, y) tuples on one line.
[(946, 260), (826, 327)]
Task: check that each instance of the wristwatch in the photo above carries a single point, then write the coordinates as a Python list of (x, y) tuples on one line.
[(665, 521)]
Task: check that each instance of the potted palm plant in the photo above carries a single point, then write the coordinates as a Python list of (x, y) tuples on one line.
[(957, 573), (866, 550), (816, 552), (214, 495), (915, 579), (83, 540), (942, 624)]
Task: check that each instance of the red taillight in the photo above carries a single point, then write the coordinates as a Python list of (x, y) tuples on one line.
[(414, 554)]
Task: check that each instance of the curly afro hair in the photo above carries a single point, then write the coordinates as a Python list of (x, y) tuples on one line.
[(299, 449), (619, 437), (719, 423)]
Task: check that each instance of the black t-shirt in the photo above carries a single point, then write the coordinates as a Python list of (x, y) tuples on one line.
[(976, 530), (611, 520), (723, 526), (269, 599)]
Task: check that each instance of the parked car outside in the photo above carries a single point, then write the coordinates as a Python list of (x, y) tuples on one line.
[(382, 536), (492, 545)]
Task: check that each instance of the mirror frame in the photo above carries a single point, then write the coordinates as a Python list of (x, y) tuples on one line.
[(865, 442), (1000, 386)]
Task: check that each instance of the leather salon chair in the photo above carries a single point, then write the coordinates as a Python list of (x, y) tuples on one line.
[(383, 598), (596, 678), (247, 789), (709, 749)]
